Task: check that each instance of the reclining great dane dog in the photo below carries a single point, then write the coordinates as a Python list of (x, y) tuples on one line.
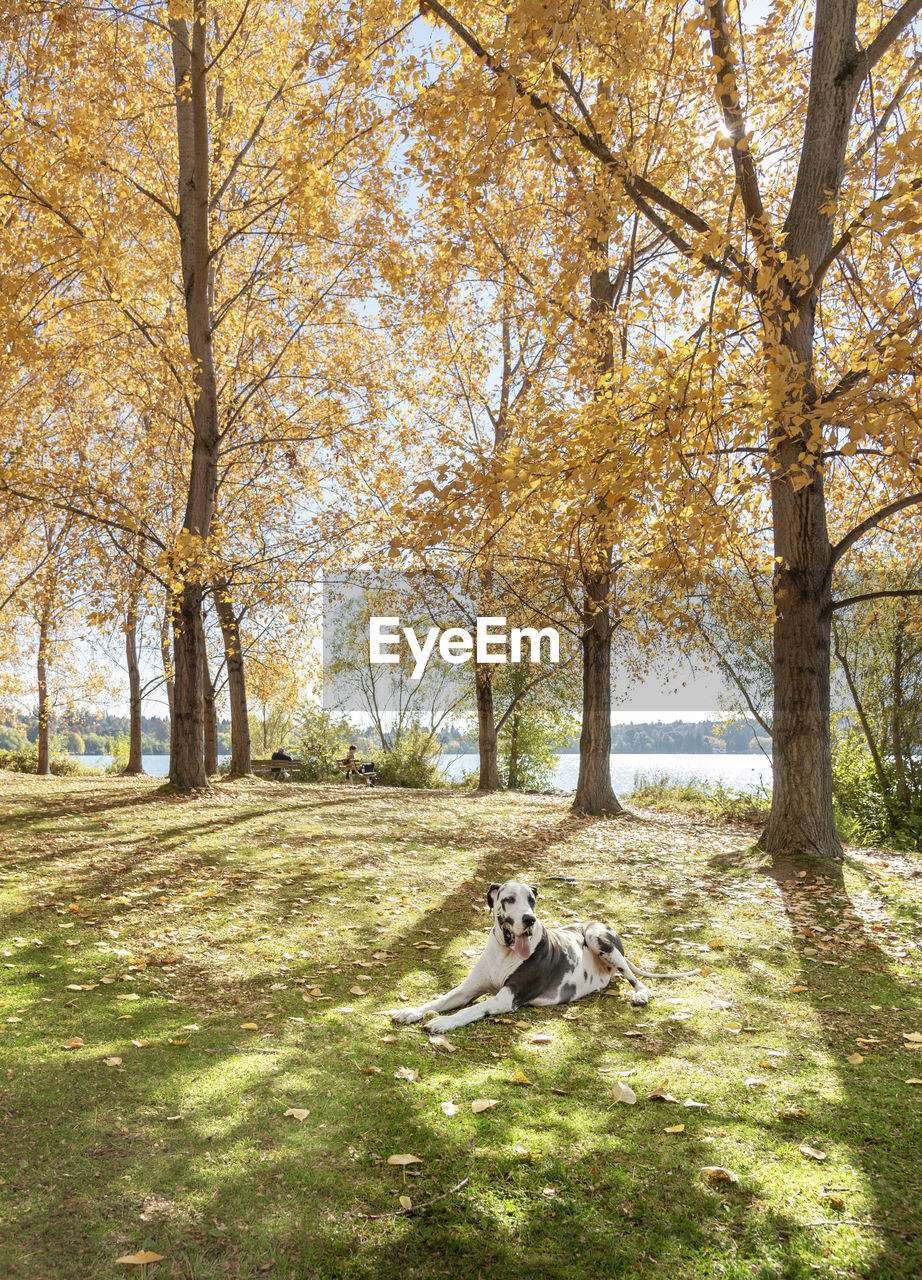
[(525, 963)]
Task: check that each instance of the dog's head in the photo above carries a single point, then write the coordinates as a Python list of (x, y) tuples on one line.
[(515, 922)]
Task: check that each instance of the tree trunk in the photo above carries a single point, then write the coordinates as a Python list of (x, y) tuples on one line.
[(187, 728), (801, 819), (134, 764), (862, 717), (44, 714), (513, 778), (187, 769), (486, 729), (896, 716), (240, 761), (594, 793), (166, 654), (210, 712)]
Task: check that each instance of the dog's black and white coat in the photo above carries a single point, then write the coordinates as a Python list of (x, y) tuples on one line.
[(526, 963)]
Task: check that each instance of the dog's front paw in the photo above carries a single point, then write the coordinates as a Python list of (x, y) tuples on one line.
[(438, 1025), (640, 996), (406, 1016)]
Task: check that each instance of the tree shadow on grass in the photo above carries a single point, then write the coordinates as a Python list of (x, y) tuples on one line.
[(251, 1188), (874, 1127), (185, 1149)]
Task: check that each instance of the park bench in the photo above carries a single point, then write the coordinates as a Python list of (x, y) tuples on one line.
[(365, 771), (270, 766)]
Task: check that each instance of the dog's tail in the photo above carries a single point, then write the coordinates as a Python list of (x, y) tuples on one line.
[(642, 973)]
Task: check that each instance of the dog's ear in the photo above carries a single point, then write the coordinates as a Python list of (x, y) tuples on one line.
[(491, 895), (534, 889)]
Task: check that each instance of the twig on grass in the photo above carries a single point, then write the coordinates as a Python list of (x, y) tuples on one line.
[(402, 1213), (854, 1222)]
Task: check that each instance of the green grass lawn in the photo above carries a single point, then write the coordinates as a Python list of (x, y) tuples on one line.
[(176, 974)]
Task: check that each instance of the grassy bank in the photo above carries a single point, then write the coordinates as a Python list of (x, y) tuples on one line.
[(710, 800), (177, 974)]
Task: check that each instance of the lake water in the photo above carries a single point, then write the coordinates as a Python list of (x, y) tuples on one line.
[(740, 772)]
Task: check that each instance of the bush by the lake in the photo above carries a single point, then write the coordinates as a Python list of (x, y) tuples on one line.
[(27, 762), (119, 749), (716, 801), (869, 808), (411, 761), (322, 740)]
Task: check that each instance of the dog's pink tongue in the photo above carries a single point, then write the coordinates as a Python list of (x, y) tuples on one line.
[(522, 946)]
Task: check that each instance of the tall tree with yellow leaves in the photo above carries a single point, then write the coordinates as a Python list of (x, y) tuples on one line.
[(792, 223), (216, 235)]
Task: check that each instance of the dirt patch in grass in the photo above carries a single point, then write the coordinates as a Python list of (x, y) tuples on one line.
[(178, 973)]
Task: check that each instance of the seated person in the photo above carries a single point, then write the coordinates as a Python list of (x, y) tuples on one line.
[(279, 754), (352, 766)]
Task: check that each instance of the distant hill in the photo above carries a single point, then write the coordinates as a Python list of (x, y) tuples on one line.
[(681, 737), (89, 734), (93, 734)]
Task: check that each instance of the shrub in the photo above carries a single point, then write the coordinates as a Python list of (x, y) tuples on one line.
[(119, 749), (718, 802), (27, 762), (534, 746), (868, 809), (322, 740), (411, 761)]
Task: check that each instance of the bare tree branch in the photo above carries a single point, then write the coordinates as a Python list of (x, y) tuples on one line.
[(640, 190), (896, 594), (889, 33), (878, 517), (888, 112)]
